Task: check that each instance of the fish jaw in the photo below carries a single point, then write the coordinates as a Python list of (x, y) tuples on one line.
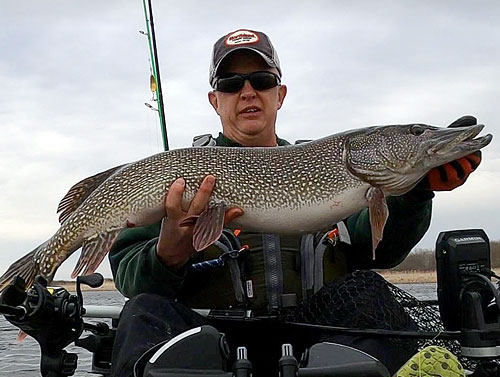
[(395, 158), (457, 142)]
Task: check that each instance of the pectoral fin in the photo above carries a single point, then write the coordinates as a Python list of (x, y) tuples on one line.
[(209, 226), (21, 335), (378, 214)]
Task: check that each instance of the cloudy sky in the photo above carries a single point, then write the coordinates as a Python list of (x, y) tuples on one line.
[(74, 77)]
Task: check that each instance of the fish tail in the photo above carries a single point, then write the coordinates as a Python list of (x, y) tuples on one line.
[(26, 268)]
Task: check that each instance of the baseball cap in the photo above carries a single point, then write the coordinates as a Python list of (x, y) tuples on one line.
[(243, 39)]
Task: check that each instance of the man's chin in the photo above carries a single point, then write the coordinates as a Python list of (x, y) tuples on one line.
[(252, 128)]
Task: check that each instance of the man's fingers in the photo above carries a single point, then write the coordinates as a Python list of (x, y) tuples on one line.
[(461, 168), (189, 221), (173, 202), (200, 200), (474, 159), (231, 214), (173, 199)]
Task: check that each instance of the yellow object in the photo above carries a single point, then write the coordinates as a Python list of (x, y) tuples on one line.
[(152, 83), (432, 361)]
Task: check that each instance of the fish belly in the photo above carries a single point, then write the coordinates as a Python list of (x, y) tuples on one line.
[(146, 216), (303, 217)]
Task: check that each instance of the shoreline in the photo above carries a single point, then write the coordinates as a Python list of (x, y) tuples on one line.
[(394, 277), (70, 285), (409, 277), (415, 277)]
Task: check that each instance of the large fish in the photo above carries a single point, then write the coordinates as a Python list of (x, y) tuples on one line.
[(299, 188)]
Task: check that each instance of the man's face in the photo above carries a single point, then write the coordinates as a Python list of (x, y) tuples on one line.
[(248, 116)]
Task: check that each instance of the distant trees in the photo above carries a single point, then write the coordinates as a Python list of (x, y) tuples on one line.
[(425, 260)]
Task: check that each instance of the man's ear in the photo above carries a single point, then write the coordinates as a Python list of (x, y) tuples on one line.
[(281, 95), (212, 98)]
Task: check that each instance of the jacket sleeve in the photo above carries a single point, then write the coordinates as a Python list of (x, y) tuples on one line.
[(136, 268), (409, 218)]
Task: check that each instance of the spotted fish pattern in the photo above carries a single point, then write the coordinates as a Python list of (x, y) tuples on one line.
[(289, 189)]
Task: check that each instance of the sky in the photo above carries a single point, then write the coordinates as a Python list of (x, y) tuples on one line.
[(74, 78)]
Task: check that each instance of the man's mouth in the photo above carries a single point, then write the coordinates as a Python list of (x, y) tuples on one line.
[(250, 110)]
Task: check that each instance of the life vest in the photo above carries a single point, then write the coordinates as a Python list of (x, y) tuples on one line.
[(273, 273)]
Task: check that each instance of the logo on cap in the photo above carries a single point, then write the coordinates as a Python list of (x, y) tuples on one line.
[(241, 37)]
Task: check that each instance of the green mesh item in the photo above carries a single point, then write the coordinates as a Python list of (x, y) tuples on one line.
[(365, 300)]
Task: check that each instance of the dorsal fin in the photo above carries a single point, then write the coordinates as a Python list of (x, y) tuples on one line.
[(79, 192)]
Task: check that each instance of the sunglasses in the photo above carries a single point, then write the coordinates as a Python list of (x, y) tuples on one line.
[(260, 80)]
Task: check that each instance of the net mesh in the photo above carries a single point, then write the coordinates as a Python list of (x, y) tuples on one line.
[(363, 299)]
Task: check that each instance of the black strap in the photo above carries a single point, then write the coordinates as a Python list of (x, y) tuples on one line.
[(273, 269), (229, 242), (307, 262)]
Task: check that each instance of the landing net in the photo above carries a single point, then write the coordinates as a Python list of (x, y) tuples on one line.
[(364, 300)]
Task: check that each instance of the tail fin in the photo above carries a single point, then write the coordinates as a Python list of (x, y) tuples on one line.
[(24, 267)]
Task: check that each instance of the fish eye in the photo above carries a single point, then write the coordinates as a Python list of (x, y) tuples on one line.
[(417, 129)]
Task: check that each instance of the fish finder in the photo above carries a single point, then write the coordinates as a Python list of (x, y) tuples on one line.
[(460, 256), (468, 300)]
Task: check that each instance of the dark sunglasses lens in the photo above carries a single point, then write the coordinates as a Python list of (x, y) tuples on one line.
[(263, 80), (258, 80), (230, 84)]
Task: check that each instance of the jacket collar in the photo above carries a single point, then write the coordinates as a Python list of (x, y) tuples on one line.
[(224, 141)]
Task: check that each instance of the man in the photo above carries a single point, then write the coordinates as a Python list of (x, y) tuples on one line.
[(154, 265)]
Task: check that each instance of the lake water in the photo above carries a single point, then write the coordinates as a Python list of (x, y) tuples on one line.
[(22, 359)]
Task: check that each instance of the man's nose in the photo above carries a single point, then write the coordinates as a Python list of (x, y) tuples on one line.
[(247, 91)]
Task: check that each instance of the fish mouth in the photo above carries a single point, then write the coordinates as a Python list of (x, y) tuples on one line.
[(459, 141)]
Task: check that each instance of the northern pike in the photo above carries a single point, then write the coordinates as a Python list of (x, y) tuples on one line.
[(298, 188)]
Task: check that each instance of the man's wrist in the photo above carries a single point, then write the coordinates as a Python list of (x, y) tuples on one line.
[(173, 262), (418, 194), (161, 272)]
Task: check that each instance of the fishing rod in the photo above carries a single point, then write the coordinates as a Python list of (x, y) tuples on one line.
[(155, 81)]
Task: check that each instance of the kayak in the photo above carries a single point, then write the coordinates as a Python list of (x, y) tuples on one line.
[(56, 318)]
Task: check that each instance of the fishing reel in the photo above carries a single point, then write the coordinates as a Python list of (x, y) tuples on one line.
[(468, 300), (52, 316)]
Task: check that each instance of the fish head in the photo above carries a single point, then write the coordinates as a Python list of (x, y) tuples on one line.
[(396, 157)]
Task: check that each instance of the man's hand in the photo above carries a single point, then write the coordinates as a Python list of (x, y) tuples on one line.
[(453, 174), (175, 243)]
